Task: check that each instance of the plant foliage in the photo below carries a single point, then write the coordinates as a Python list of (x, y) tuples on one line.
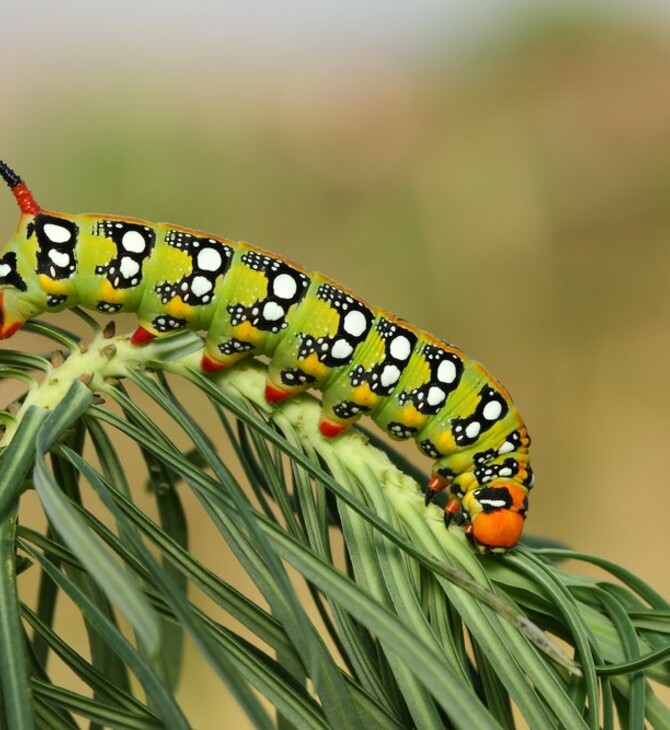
[(413, 630)]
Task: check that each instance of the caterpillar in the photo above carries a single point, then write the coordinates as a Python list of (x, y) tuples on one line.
[(315, 333)]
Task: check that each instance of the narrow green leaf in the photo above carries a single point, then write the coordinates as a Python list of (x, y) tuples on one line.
[(175, 599), (422, 658), (13, 664), (85, 671), (17, 459), (93, 709), (262, 563), (118, 586), (163, 702)]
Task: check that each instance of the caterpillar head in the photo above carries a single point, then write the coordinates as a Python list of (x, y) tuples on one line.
[(19, 297), (496, 514)]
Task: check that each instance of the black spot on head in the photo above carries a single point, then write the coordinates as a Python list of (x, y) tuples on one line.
[(493, 498)]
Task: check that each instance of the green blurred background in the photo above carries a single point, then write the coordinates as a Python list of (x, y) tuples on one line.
[(495, 175)]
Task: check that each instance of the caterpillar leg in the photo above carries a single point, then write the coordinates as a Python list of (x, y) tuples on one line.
[(221, 353), (331, 427), (141, 336), (451, 509), (282, 384), (436, 484), (338, 417)]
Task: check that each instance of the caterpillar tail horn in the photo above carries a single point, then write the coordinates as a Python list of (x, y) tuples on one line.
[(22, 193)]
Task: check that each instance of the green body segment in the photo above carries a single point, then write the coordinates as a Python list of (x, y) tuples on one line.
[(314, 332)]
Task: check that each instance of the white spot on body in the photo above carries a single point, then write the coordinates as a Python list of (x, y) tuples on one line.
[(272, 311), (200, 285), (5, 270), (284, 286), (400, 348), (341, 349), (492, 410), (505, 472), (354, 323), (128, 267), (506, 448), (209, 259), (60, 259), (495, 503), (446, 372), (435, 396), (390, 375), (133, 241), (56, 233), (472, 430)]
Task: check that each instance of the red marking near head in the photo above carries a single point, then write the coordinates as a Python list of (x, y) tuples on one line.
[(7, 329), (330, 429), (209, 365), (141, 337), (275, 395), (25, 199)]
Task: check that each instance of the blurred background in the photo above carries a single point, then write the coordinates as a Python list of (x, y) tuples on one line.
[(496, 173)]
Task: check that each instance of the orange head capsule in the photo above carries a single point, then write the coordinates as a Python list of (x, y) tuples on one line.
[(496, 514)]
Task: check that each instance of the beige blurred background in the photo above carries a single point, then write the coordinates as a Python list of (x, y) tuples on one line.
[(501, 179)]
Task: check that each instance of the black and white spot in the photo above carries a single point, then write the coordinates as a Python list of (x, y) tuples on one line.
[(286, 286), (56, 300), (347, 409), (108, 307), (57, 239), (507, 469), (490, 409), (429, 449), (296, 378), (210, 259), (383, 377), (514, 442), (234, 346), (399, 430), (353, 326), (483, 457), (529, 480), (9, 275), (134, 243), (446, 369), (492, 499), (166, 323)]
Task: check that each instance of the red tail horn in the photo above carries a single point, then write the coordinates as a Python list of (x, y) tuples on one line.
[(21, 192)]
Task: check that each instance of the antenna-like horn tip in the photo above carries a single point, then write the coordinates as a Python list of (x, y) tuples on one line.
[(8, 175), (21, 192)]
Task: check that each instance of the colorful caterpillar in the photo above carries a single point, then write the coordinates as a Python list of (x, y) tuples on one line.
[(316, 334)]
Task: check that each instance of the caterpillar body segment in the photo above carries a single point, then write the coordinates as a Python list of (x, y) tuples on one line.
[(315, 333)]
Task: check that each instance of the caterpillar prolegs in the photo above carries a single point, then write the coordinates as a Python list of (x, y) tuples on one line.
[(315, 333)]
